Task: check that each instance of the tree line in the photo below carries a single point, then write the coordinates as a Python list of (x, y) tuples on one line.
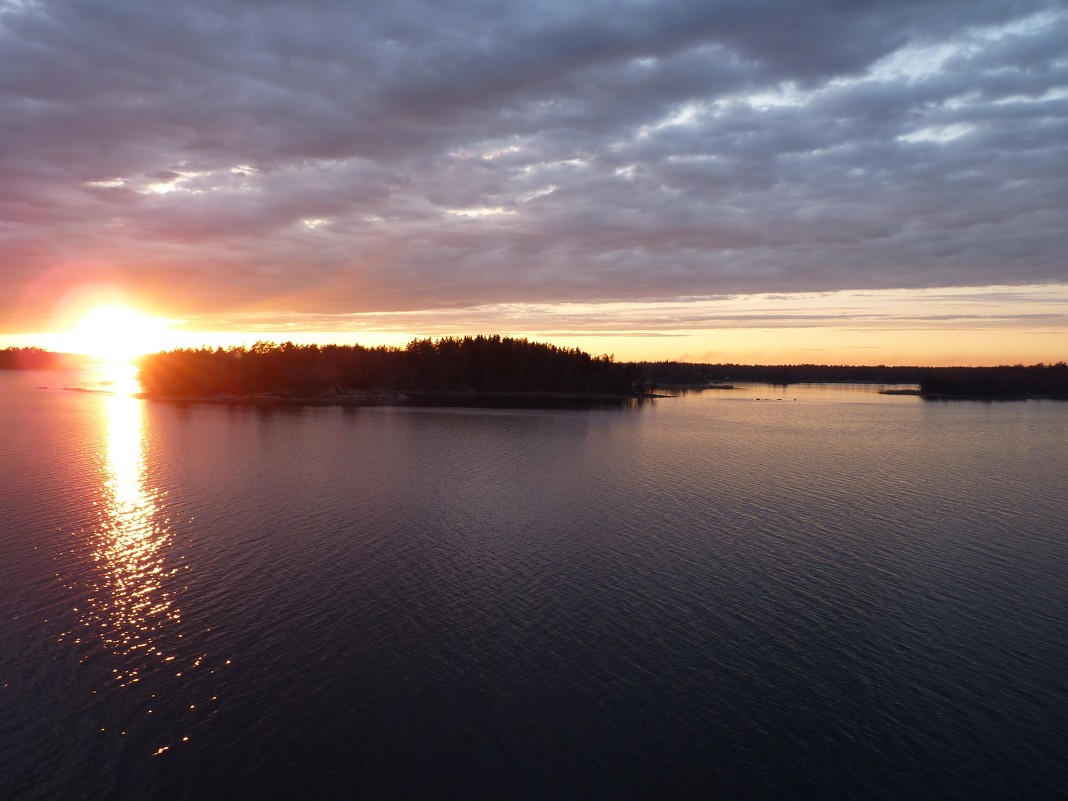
[(1006, 381), (450, 364), (695, 374), (37, 359), (1017, 381), (489, 364)]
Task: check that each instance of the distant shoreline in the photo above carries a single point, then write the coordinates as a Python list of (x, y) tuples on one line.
[(487, 370), (442, 399), (943, 396)]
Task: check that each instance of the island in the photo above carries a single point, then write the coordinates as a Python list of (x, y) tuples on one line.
[(1005, 382), (466, 370), (1017, 382), (39, 359)]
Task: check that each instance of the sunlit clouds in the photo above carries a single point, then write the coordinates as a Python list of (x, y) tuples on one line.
[(323, 169), (943, 326)]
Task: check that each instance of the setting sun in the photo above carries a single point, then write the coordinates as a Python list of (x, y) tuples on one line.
[(116, 333)]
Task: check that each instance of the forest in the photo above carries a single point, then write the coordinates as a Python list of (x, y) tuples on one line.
[(1004, 382), (483, 364), (667, 374), (1018, 381), (503, 365), (37, 359)]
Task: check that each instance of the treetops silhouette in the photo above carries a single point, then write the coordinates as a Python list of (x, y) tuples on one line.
[(449, 364)]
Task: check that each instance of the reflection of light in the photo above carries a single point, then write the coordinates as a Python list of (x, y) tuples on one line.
[(130, 604), (120, 378), (126, 463)]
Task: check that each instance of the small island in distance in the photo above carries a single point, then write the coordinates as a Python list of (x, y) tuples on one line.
[(1005, 382), (455, 369)]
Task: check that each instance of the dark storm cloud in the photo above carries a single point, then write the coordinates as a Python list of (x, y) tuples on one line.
[(318, 157)]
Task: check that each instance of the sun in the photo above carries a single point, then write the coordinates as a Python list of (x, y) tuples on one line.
[(113, 333)]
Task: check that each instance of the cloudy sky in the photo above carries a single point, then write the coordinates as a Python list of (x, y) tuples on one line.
[(766, 180)]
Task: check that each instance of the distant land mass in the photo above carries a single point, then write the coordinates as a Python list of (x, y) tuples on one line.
[(694, 375), (935, 383), (39, 359), (481, 364), (1009, 383), (485, 365)]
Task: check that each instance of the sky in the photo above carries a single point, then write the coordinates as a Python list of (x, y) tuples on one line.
[(716, 180)]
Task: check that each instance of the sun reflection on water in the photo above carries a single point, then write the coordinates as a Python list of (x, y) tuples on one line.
[(130, 605), (120, 377), (125, 567)]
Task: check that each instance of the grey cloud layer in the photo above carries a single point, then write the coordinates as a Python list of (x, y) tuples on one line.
[(323, 157)]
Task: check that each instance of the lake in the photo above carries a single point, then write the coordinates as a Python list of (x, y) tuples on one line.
[(800, 592)]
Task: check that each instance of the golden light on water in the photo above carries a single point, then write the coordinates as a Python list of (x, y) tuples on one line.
[(128, 562), (130, 605), (120, 378)]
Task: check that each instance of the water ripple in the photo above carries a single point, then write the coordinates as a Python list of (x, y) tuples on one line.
[(705, 597)]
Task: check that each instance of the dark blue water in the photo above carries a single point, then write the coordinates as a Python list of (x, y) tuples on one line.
[(846, 595)]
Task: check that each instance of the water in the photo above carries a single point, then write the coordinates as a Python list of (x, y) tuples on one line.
[(825, 593)]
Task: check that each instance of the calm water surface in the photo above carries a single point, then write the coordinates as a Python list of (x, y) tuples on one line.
[(817, 592)]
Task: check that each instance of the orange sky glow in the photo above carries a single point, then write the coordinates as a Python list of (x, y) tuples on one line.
[(958, 326), (864, 183)]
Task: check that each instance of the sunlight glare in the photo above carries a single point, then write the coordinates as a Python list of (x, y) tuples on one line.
[(131, 603), (116, 333), (121, 377)]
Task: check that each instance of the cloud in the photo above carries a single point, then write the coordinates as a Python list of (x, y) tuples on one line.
[(1001, 309), (318, 158)]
